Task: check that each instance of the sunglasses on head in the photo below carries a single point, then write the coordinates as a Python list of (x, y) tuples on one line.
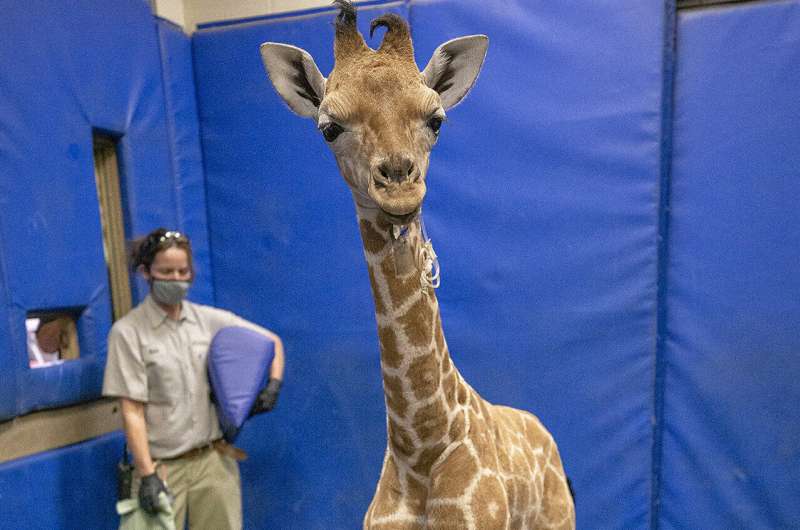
[(177, 236)]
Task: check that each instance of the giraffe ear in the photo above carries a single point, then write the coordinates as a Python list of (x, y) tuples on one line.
[(295, 76), (454, 67)]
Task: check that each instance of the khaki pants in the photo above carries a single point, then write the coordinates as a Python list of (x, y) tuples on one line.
[(207, 487)]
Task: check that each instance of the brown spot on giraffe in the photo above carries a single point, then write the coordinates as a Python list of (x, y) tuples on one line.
[(400, 438), (400, 289), (373, 240), (417, 323), (489, 504), (449, 388), (447, 364), (427, 457), (447, 517), (440, 345), (395, 399), (447, 484), (430, 421), (390, 352), (425, 372), (457, 427)]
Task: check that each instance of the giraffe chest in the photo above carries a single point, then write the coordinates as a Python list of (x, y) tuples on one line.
[(504, 474)]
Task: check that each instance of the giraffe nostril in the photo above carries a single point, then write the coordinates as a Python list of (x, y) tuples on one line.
[(397, 169)]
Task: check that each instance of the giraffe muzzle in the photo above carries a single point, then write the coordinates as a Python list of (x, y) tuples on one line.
[(398, 200)]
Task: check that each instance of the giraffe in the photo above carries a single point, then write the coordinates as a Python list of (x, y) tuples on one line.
[(452, 460)]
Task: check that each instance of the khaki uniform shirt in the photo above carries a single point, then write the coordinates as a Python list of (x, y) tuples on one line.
[(163, 363)]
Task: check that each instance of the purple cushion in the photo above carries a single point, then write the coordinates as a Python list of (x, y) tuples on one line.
[(238, 368)]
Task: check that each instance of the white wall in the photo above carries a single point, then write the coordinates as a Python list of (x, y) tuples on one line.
[(171, 10), (190, 13)]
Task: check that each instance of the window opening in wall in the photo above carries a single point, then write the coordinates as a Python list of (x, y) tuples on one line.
[(52, 337), (106, 172)]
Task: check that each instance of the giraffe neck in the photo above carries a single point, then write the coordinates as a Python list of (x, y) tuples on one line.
[(426, 397)]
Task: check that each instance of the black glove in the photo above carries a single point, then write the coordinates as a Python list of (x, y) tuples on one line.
[(149, 489), (266, 400)]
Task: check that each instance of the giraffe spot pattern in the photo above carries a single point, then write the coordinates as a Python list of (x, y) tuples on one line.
[(390, 353), (427, 457), (430, 421), (505, 472), (440, 346), (451, 480), (395, 400), (380, 308), (417, 323), (425, 375), (489, 504), (447, 517), (417, 495), (449, 388), (400, 289), (374, 242), (457, 427), (462, 395), (400, 438)]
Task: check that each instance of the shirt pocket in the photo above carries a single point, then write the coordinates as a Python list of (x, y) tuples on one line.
[(164, 380), (200, 362), (200, 350)]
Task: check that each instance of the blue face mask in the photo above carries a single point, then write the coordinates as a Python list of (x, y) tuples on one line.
[(169, 292)]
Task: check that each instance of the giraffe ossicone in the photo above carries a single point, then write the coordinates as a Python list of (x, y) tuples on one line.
[(452, 460)]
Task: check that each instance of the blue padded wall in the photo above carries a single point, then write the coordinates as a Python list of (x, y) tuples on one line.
[(53, 95), (64, 71), (70, 488), (732, 435), (542, 205)]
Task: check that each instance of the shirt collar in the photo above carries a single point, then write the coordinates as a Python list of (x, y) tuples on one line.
[(156, 316)]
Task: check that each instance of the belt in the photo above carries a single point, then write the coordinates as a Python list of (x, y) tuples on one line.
[(220, 445)]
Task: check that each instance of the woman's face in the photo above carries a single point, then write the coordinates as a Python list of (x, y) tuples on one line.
[(170, 264)]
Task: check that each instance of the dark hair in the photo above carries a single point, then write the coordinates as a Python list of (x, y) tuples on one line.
[(144, 249)]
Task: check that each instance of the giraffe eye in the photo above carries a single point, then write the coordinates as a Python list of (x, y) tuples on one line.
[(331, 131), (435, 123)]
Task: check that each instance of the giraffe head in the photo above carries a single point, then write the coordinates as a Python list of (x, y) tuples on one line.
[(379, 114)]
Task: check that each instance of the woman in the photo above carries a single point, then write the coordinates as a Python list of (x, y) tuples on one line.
[(157, 366)]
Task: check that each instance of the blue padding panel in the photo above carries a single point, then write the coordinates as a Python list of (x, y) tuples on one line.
[(543, 195), (64, 70), (73, 487), (732, 439), (292, 261), (187, 159)]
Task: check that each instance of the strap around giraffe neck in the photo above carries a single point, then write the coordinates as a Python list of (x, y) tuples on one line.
[(430, 270), (427, 260)]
